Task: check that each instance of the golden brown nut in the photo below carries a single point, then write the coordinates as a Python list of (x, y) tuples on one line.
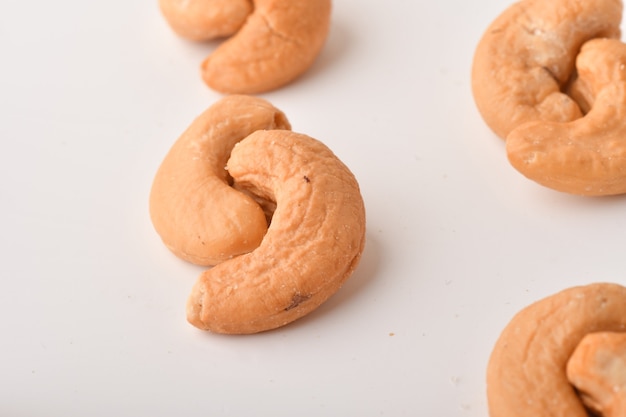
[(198, 215), (205, 19), (279, 41), (526, 372), (597, 368), (586, 156), (312, 246), (526, 57)]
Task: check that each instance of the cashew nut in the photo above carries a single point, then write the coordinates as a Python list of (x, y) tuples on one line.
[(278, 41), (586, 156), (312, 246), (526, 372), (205, 19), (526, 58), (597, 368), (198, 215)]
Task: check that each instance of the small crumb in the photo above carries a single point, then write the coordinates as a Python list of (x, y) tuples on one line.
[(392, 334)]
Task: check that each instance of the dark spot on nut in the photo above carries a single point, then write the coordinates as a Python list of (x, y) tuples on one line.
[(307, 179), (297, 300)]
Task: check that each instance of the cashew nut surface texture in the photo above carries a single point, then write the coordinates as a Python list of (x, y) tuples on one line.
[(312, 246), (199, 216), (526, 58), (586, 156), (597, 369), (526, 374), (278, 41)]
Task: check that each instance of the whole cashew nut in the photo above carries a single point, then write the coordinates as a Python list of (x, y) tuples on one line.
[(312, 246), (586, 156), (278, 41), (525, 59), (597, 368), (526, 372), (198, 215)]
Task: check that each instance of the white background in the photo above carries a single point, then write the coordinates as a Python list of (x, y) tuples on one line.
[(92, 305)]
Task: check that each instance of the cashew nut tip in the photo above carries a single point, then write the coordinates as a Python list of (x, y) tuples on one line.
[(276, 42), (526, 374), (194, 209), (586, 156), (525, 59), (199, 20), (597, 369), (313, 244)]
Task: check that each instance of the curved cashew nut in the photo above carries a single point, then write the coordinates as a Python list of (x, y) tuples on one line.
[(597, 368), (198, 215), (526, 371), (312, 246), (205, 19), (586, 156), (278, 42), (526, 58)]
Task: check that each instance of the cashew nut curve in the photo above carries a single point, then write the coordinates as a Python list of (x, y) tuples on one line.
[(278, 41), (586, 156), (199, 216), (597, 369), (525, 59), (312, 246), (526, 374)]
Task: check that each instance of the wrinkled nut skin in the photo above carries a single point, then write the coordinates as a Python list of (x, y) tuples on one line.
[(279, 41), (526, 372), (199, 20), (199, 216), (312, 246), (588, 155), (526, 57), (597, 369)]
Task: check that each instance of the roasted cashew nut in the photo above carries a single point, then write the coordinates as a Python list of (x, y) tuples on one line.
[(526, 374), (525, 59), (586, 156), (312, 246), (278, 41), (198, 215), (597, 368)]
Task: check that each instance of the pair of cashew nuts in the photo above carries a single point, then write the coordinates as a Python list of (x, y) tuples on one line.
[(236, 169), (549, 77), (277, 213), (562, 356), (271, 42)]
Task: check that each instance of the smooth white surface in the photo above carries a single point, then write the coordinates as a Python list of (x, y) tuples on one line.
[(93, 94)]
